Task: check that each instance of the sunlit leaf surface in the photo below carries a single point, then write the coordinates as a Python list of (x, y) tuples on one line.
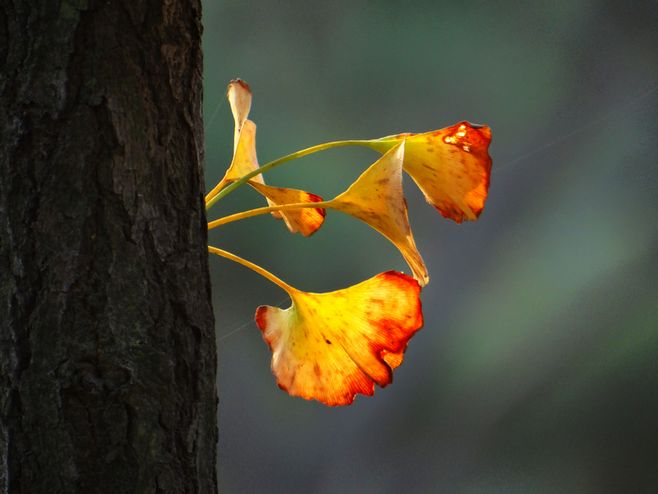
[(244, 157), (331, 346)]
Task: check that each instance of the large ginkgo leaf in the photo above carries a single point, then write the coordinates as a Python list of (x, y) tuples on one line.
[(331, 346)]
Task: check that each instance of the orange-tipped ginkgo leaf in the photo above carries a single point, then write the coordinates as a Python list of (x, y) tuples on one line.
[(239, 97), (331, 346), (377, 199), (451, 166), (303, 220)]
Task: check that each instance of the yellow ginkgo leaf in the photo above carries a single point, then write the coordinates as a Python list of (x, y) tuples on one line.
[(331, 346), (376, 198), (451, 166), (239, 98), (244, 157), (304, 220)]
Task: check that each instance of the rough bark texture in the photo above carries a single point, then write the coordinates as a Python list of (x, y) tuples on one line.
[(107, 347)]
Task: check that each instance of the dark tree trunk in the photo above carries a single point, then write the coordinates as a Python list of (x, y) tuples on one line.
[(107, 347)]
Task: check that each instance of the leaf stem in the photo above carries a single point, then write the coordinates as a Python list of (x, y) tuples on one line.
[(280, 161), (254, 267), (216, 190)]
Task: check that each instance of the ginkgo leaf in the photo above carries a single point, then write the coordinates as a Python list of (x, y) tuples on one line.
[(245, 160), (376, 198), (451, 166), (331, 346), (304, 220), (239, 98), (244, 157)]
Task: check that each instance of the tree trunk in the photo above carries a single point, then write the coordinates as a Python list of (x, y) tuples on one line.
[(107, 346)]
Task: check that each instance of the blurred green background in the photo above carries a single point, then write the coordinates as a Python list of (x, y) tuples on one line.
[(537, 368)]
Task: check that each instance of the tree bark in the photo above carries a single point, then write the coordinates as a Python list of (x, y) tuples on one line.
[(107, 346)]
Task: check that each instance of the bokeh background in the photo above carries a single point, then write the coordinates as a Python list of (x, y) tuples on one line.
[(537, 368)]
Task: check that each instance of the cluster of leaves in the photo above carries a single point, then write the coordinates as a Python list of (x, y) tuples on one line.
[(331, 346)]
